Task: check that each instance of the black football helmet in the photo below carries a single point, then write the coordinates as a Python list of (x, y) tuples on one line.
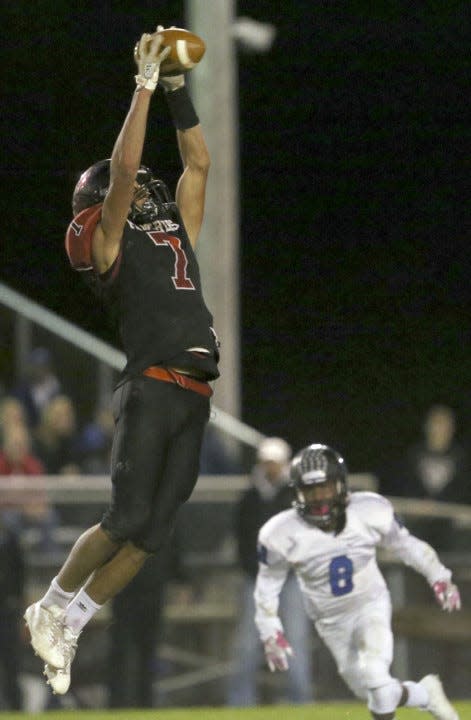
[(93, 185), (315, 465)]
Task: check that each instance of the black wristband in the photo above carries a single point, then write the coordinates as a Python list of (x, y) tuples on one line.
[(181, 109)]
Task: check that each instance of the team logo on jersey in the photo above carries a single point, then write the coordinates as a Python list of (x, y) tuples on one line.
[(76, 227), (163, 225)]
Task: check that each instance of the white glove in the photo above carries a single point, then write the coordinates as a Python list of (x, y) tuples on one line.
[(148, 58), (447, 595), (277, 650)]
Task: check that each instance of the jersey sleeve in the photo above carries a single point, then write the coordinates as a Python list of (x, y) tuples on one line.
[(272, 572), (413, 552), (79, 236)]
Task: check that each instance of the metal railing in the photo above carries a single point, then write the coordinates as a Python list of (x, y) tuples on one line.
[(32, 312)]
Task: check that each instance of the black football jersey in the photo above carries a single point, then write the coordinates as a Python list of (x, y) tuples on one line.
[(154, 292)]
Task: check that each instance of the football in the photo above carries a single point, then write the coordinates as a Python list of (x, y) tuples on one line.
[(186, 50)]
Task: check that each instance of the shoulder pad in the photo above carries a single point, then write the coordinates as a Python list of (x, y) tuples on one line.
[(375, 508), (79, 236), (276, 526)]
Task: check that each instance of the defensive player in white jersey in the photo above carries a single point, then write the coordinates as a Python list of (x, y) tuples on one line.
[(330, 538)]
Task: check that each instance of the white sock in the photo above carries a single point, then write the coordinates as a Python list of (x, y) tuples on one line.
[(79, 611), (56, 596), (417, 695)]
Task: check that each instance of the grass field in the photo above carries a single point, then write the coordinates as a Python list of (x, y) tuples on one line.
[(321, 711)]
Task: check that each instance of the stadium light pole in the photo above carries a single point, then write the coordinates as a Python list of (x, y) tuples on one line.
[(214, 87)]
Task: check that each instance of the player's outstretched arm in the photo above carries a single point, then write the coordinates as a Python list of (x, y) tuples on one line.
[(127, 154), (191, 187), (421, 556)]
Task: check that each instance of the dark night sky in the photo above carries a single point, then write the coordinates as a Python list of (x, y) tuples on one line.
[(354, 155)]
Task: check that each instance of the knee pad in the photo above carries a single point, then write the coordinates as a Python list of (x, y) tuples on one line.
[(385, 699)]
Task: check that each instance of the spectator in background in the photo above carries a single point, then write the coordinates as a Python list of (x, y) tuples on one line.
[(437, 467), (12, 412), (268, 495), (94, 443), (136, 629), (94, 457), (25, 510), (217, 456), (39, 385), (16, 457), (12, 581), (55, 439)]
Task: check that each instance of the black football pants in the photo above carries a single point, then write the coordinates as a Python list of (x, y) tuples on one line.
[(155, 458)]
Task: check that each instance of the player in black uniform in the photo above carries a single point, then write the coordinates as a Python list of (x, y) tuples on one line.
[(136, 246)]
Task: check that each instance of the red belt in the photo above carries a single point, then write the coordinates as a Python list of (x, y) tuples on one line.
[(184, 381)]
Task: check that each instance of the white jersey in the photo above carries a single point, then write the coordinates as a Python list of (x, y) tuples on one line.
[(337, 574)]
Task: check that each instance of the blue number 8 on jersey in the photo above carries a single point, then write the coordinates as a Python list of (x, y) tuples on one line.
[(341, 575)]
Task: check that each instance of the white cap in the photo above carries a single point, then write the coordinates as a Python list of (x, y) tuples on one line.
[(274, 449)]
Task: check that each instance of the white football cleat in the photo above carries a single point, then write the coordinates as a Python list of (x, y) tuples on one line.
[(438, 704), (46, 627), (59, 678)]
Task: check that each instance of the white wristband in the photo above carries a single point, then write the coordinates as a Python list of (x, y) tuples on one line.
[(144, 83), (150, 78)]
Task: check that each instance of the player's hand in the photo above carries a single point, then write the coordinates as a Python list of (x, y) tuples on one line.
[(277, 651), (148, 56), (447, 595)]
